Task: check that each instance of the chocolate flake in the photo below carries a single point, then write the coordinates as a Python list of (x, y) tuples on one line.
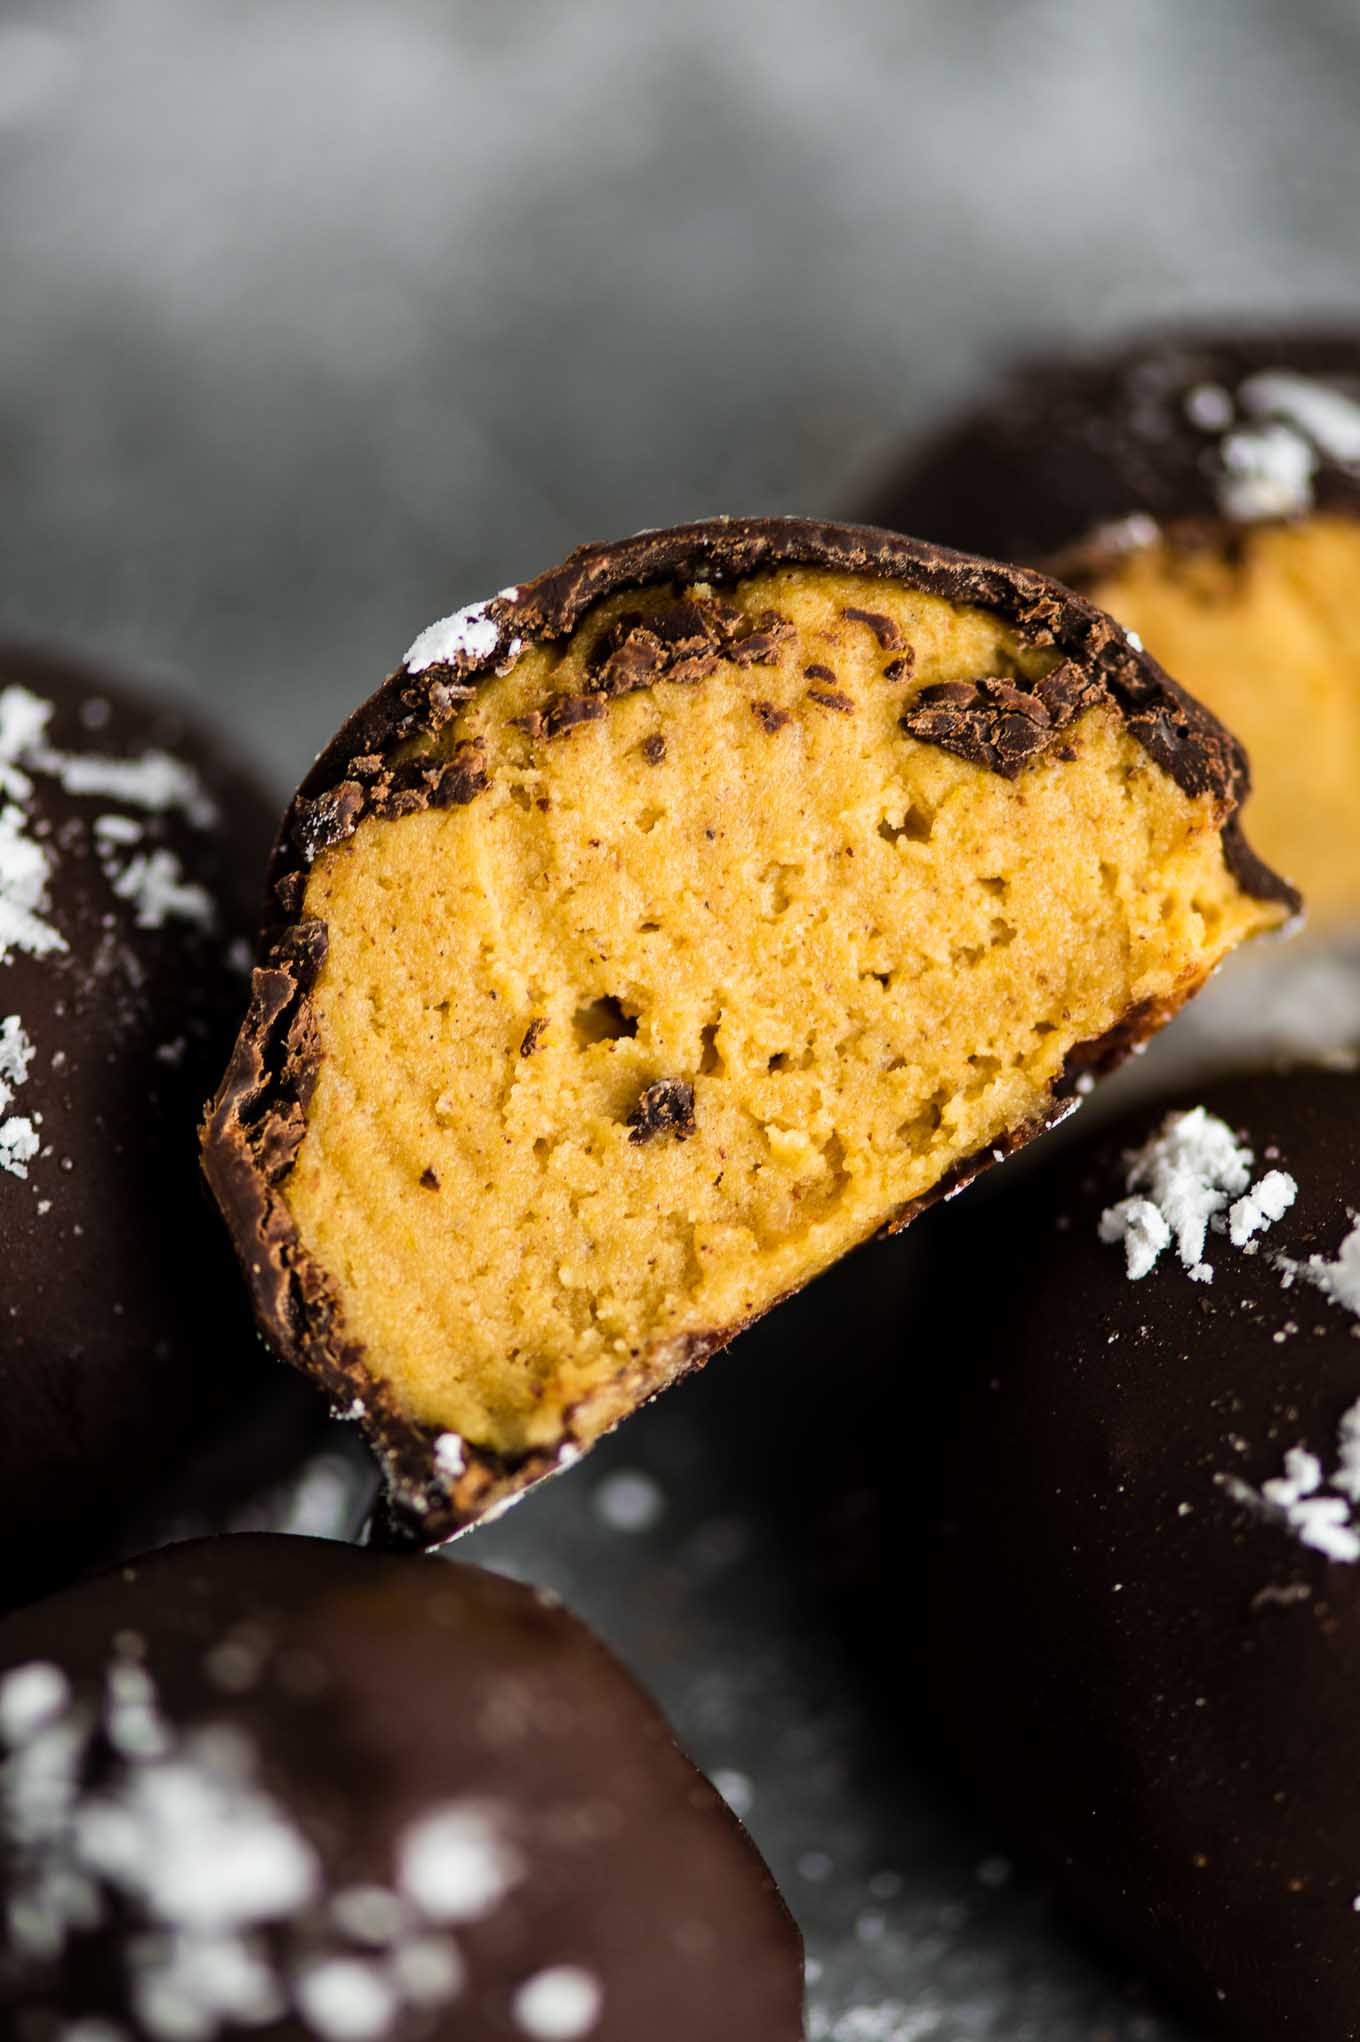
[(533, 1035), (428, 1179), (769, 718), (667, 1107), (901, 669), (817, 672), (461, 777), (993, 723), (832, 698), (654, 748), (888, 633), (566, 711)]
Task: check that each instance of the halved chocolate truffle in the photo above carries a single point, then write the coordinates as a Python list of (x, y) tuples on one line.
[(132, 856), (1206, 492), (277, 1787), (1153, 1567), (664, 928)]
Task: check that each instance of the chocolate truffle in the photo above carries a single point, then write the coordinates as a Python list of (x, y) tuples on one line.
[(1207, 493), (132, 859), (301, 1791), (1153, 1567), (665, 927)]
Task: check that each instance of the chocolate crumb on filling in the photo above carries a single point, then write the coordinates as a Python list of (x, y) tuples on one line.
[(667, 1107), (995, 724), (876, 967), (832, 698), (533, 1035), (886, 630)]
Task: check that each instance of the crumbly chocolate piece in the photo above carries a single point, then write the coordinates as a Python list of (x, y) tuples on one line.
[(832, 698), (278, 1786), (1152, 1570), (1206, 492), (996, 724), (779, 937), (664, 1108), (132, 856)]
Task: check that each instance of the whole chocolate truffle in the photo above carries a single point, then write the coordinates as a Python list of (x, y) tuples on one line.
[(1153, 1563), (662, 929), (1205, 491), (300, 1791), (131, 860)]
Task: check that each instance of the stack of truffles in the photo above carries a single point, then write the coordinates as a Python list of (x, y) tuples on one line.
[(661, 930)]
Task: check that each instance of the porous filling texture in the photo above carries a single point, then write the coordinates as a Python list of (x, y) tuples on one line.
[(1269, 637), (867, 957)]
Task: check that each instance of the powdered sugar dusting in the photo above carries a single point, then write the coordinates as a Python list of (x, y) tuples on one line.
[(1329, 418), (346, 1999), (215, 1894), (18, 1135), (450, 1456), (25, 872), (457, 1863), (30, 1696), (1268, 472), (1339, 1279), (1267, 465), (1267, 1201), (151, 880), (1187, 1173), (470, 634), (560, 2004), (1297, 1498), (154, 883)]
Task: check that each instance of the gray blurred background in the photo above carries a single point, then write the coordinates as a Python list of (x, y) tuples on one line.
[(316, 319), (319, 319)]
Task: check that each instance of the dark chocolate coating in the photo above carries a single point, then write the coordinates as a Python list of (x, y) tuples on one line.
[(1065, 447), (1160, 1680), (121, 1339), (258, 1118), (372, 1694)]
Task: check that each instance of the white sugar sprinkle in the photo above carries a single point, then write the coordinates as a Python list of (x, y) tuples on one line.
[(154, 781), (559, 2004), (25, 870), (346, 2000), (468, 633), (158, 890), (18, 1135), (428, 1969), (30, 1697), (1330, 419), (456, 1863), (1187, 1172), (369, 1913), (1295, 1498), (1267, 472), (450, 1455), (1340, 1280), (1209, 407), (1267, 1201)]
